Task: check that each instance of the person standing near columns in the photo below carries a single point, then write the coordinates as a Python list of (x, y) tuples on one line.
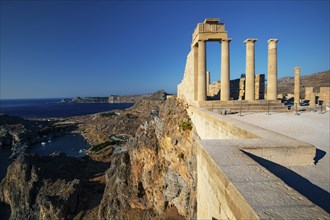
[(272, 70), (225, 70), (250, 69), (208, 82), (297, 85), (201, 70)]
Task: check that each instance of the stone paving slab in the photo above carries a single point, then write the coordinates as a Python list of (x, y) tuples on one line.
[(267, 144), (269, 196)]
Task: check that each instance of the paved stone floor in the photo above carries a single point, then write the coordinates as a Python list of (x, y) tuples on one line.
[(310, 127)]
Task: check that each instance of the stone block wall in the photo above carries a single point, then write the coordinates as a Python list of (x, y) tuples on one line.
[(313, 96), (324, 95), (185, 89), (237, 88)]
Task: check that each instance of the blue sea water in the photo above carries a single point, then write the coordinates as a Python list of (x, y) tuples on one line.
[(52, 108)]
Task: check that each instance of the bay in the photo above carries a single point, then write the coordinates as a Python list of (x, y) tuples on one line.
[(53, 108)]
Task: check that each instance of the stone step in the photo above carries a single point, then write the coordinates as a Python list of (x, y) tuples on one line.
[(245, 106), (249, 109)]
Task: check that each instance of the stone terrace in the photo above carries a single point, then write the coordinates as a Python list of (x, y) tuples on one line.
[(258, 173)]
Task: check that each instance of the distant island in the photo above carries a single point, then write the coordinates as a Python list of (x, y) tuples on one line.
[(161, 94)]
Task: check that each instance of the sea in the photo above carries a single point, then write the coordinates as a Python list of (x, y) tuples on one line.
[(54, 108), (70, 144)]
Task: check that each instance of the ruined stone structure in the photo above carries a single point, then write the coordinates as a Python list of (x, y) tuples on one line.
[(250, 68), (229, 152), (195, 87), (297, 85), (237, 88), (272, 70), (315, 97)]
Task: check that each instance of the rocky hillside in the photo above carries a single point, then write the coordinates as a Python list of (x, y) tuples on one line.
[(18, 133), (85, 100), (142, 165), (316, 80)]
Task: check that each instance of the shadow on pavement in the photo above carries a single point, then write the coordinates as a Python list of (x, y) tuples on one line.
[(311, 191)]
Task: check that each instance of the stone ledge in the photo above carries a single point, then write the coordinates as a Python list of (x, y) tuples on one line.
[(234, 177), (261, 142)]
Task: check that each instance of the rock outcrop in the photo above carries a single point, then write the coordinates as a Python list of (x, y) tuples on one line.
[(18, 133), (157, 176), (51, 187)]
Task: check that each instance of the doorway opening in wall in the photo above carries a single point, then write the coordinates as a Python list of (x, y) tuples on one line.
[(213, 65)]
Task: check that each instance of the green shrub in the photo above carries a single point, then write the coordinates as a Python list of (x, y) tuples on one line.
[(186, 125), (108, 114), (181, 156), (103, 145)]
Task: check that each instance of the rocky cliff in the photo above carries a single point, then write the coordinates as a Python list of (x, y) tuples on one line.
[(150, 176), (51, 187), (156, 178)]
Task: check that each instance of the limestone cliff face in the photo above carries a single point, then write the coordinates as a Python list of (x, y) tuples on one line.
[(156, 178), (51, 187)]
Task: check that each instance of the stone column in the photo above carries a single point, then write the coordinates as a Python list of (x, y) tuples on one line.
[(207, 82), (297, 85), (272, 70), (225, 70), (250, 69), (201, 70)]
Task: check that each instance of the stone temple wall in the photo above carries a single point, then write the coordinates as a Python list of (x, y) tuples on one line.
[(185, 88), (312, 96), (237, 88), (324, 95)]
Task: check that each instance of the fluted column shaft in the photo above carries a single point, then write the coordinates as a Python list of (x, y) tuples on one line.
[(225, 70), (272, 70), (201, 70), (250, 69), (297, 85)]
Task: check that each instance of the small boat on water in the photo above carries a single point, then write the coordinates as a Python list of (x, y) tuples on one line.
[(43, 143)]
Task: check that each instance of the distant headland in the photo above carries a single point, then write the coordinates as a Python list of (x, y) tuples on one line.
[(161, 94)]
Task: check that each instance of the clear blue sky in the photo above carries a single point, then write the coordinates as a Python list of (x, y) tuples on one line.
[(99, 48)]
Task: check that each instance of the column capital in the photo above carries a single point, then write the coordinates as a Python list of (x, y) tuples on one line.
[(272, 40), (296, 68), (225, 39), (250, 40)]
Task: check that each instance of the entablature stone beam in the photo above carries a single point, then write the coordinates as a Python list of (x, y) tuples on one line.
[(210, 30)]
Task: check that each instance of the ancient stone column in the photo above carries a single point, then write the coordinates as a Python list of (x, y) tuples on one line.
[(297, 85), (250, 69), (225, 70), (208, 82), (272, 70), (201, 70)]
